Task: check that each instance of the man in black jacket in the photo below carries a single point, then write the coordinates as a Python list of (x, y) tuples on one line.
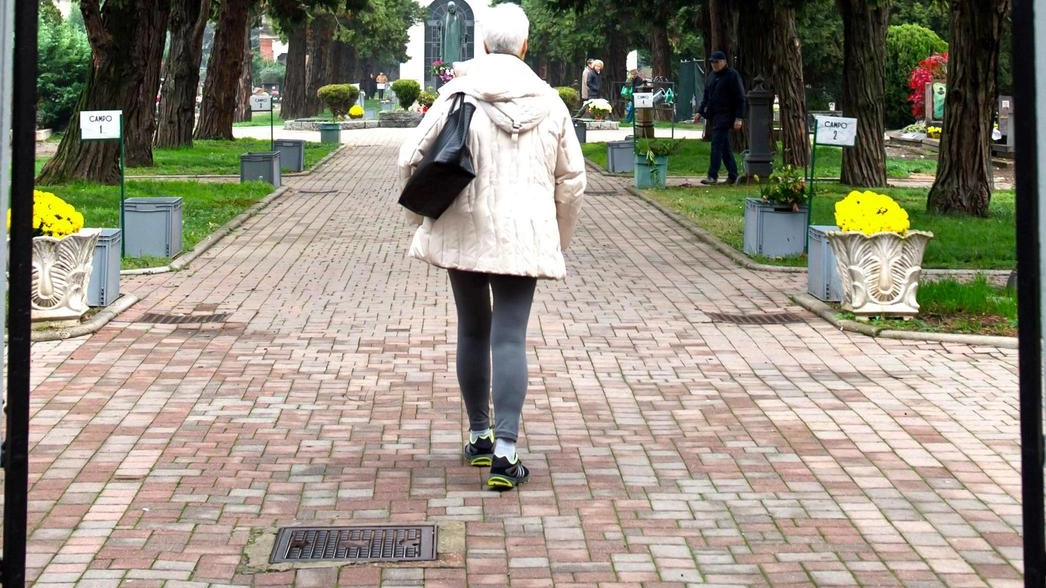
[(723, 106)]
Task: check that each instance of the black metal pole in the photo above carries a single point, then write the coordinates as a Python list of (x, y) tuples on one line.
[(1029, 290), (23, 156)]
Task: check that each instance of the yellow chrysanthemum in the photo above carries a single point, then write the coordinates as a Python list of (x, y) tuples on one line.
[(52, 216), (870, 213)]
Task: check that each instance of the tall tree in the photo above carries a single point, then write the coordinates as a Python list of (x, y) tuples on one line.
[(127, 40), (178, 95), (787, 75), (864, 56), (292, 100), (964, 181), (223, 71)]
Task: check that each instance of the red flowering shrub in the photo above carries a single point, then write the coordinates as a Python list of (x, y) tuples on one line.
[(932, 69)]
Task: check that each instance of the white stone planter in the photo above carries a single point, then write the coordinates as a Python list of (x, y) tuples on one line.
[(61, 273), (880, 272)]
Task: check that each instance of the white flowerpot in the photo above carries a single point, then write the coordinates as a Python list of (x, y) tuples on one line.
[(61, 273), (880, 272)]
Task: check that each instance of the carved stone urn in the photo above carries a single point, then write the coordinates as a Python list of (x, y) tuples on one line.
[(879, 272), (61, 273)]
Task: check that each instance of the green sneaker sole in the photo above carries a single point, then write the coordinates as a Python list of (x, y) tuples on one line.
[(480, 460), (501, 483)]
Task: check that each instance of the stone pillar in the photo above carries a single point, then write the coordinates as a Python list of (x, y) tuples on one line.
[(759, 160)]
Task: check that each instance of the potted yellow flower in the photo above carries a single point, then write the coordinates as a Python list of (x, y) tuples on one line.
[(878, 256), (62, 259)]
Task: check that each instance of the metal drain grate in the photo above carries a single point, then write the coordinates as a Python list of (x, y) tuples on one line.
[(772, 318), (183, 319), (379, 543), (316, 192)]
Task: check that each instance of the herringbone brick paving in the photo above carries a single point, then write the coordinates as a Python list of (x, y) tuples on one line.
[(667, 448)]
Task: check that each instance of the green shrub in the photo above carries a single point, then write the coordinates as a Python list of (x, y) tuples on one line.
[(63, 66), (426, 98), (339, 98), (407, 91), (906, 46), (570, 97)]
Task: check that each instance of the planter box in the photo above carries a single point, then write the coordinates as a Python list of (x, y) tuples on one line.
[(153, 226), (822, 273), (261, 165), (645, 175), (104, 286), (621, 156), (292, 153), (330, 133), (773, 231), (581, 130)]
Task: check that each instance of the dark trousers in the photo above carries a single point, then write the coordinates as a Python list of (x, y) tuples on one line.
[(493, 311), (722, 153)]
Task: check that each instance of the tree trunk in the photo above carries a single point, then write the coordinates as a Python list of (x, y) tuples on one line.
[(223, 72), (244, 87), (964, 178), (321, 53), (791, 91), (660, 51), (864, 56), (723, 15), (292, 94), (178, 97), (122, 35)]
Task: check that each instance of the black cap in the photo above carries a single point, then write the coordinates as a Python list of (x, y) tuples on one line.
[(717, 56)]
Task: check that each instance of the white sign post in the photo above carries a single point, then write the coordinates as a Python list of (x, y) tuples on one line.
[(828, 130), (107, 125), (262, 102), (835, 130)]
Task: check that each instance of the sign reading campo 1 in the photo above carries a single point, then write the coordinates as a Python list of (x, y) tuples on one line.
[(100, 124), (836, 130)]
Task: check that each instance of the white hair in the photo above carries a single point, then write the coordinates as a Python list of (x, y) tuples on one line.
[(507, 27)]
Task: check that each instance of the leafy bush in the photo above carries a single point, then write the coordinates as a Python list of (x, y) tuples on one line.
[(267, 72), (339, 98), (906, 46), (785, 186), (63, 66), (407, 91), (426, 98), (570, 97)]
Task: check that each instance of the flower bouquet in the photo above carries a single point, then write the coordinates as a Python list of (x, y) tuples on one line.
[(599, 108), (878, 257), (442, 70)]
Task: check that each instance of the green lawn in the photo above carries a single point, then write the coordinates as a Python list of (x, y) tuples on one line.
[(206, 206)]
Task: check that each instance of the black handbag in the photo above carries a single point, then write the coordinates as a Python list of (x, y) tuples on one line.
[(446, 169)]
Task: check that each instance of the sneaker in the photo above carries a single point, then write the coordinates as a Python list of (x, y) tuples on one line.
[(505, 474), (480, 453), (709, 181)]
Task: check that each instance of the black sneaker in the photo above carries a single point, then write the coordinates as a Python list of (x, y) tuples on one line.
[(481, 452), (709, 181), (505, 474)]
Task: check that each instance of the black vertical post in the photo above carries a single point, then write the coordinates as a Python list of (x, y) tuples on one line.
[(1029, 288), (23, 155)]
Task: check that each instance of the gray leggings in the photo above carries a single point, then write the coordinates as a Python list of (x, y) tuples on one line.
[(493, 334)]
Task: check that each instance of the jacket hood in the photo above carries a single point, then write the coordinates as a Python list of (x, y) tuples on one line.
[(505, 87)]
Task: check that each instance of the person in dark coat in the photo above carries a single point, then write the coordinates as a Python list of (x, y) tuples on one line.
[(595, 80), (723, 106)]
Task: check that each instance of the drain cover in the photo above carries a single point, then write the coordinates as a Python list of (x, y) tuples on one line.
[(380, 543), (771, 318), (182, 319)]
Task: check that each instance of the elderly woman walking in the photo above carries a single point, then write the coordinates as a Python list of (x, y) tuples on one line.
[(505, 231)]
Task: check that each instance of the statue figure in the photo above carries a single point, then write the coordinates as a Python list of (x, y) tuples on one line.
[(452, 35)]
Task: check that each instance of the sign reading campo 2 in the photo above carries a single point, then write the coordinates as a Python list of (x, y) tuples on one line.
[(100, 124), (261, 102), (836, 130)]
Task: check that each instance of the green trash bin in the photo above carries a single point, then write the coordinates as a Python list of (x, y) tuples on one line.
[(330, 133)]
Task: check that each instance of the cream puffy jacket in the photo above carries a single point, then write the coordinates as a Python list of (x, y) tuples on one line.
[(517, 216)]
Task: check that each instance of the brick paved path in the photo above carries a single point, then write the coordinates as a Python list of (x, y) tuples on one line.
[(669, 445)]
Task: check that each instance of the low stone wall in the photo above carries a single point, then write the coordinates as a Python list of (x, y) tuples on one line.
[(600, 125), (307, 124), (398, 120)]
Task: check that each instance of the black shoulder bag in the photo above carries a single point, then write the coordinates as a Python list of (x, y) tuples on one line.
[(446, 169)]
